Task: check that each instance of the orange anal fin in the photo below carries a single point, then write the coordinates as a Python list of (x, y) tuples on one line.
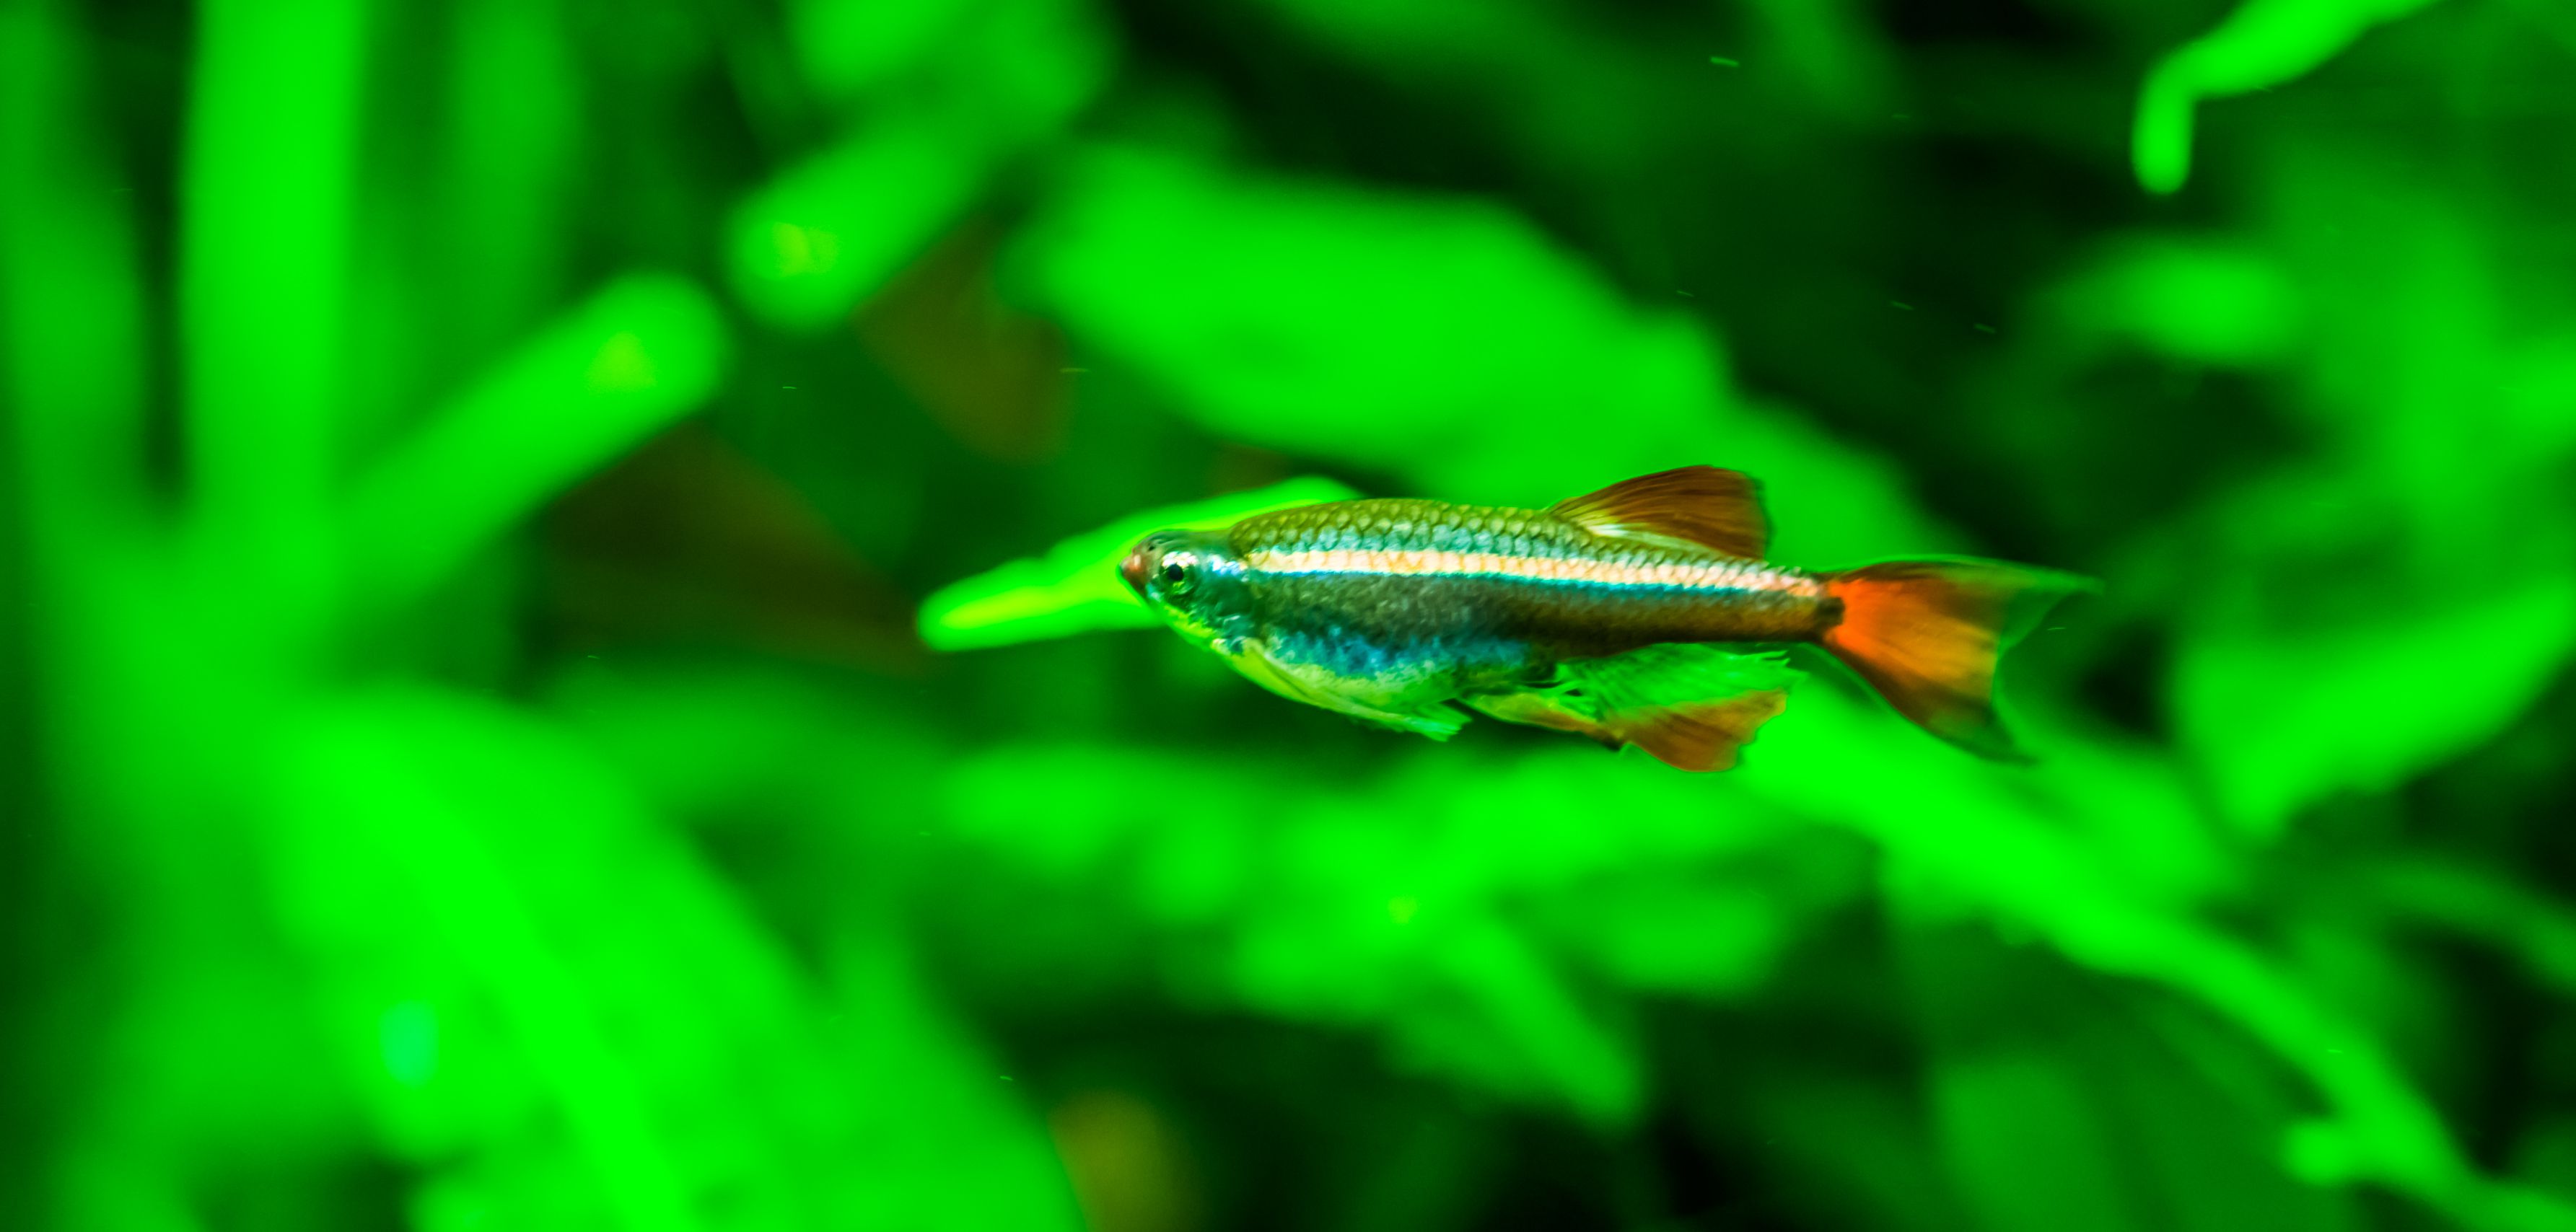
[(1688, 736), (1695, 506), (1542, 710), (1700, 735)]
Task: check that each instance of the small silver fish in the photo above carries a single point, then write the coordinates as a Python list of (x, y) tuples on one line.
[(1640, 614)]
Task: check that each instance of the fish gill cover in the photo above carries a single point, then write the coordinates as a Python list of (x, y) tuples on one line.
[(562, 663)]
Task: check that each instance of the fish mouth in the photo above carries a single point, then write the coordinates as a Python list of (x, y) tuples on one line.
[(1137, 567)]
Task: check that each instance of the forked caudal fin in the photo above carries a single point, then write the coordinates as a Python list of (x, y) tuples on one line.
[(1926, 634)]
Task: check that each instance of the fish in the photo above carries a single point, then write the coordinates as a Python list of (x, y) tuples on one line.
[(1642, 614)]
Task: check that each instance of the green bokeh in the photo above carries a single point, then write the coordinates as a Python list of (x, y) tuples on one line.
[(561, 665)]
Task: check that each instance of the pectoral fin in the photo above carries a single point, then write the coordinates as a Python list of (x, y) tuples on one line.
[(1692, 707), (1318, 688)]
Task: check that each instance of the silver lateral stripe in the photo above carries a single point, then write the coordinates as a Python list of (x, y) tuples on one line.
[(1643, 574)]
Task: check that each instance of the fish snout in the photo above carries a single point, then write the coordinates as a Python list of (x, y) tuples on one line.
[(1138, 566)]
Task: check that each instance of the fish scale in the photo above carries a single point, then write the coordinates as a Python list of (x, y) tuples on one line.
[(1393, 570)]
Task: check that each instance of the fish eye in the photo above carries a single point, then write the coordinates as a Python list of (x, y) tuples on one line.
[(1173, 573)]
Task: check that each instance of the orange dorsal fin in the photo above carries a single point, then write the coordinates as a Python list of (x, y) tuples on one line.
[(1702, 735), (1695, 506)]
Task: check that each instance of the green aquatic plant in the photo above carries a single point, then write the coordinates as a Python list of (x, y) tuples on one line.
[(1074, 588), (535, 689)]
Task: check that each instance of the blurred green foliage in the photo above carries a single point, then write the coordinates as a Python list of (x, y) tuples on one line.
[(545, 543)]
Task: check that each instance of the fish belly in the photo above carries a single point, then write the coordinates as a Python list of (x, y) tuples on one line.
[(1393, 642)]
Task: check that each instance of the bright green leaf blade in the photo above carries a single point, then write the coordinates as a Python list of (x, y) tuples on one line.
[(806, 248), (272, 148), (1075, 588), (2191, 299), (2262, 43), (2270, 711), (693, 1075), (847, 47), (1446, 339), (71, 302), (2071, 1110), (641, 354)]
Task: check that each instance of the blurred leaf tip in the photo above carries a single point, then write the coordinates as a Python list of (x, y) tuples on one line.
[(2262, 44), (639, 355), (1074, 588)]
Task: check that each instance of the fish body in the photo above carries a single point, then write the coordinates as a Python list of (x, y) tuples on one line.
[(1623, 615)]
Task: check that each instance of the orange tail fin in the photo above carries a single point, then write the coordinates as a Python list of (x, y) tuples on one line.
[(1926, 634)]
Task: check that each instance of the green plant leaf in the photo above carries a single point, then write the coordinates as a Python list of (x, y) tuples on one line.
[(1075, 588)]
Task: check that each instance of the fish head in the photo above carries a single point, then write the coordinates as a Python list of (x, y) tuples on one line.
[(1194, 581)]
